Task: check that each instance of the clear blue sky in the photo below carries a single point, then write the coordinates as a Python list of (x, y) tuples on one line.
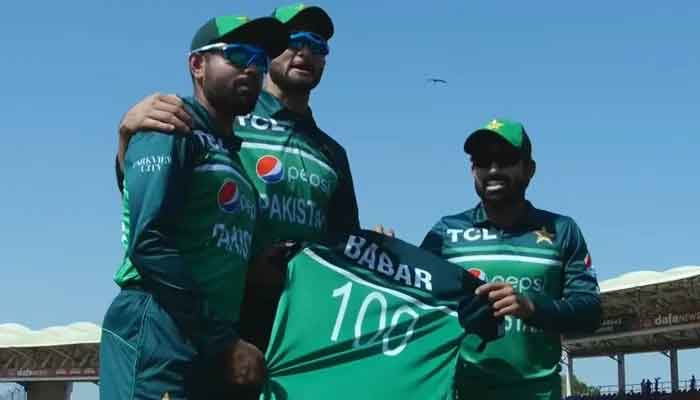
[(607, 90)]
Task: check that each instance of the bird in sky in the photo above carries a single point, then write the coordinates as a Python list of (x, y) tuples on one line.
[(436, 81)]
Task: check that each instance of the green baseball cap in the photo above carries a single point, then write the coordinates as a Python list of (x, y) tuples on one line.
[(266, 32), (511, 131), (303, 17)]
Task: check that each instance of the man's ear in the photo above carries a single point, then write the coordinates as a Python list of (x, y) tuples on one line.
[(531, 168), (196, 64)]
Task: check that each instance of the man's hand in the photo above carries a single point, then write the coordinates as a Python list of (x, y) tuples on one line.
[(505, 301), (157, 112), (268, 268), (244, 364), (384, 231)]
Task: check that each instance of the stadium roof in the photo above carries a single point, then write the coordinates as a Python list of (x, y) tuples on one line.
[(646, 278), (645, 311), (18, 336)]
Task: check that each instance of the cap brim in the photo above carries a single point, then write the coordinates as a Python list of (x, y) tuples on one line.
[(312, 19), (266, 32), (475, 137)]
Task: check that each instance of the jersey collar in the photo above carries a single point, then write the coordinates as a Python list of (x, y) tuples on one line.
[(529, 219), (270, 105)]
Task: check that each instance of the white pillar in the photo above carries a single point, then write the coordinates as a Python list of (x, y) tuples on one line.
[(621, 374), (673, 357), (569, 373)]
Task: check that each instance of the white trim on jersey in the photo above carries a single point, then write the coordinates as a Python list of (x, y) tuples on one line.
[(393, 292), (505, 257)]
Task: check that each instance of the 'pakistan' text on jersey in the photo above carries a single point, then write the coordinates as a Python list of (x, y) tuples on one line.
[(543, 257), (188, 219), (369, 317), (301, 174)]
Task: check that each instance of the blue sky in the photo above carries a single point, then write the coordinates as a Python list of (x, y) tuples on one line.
[(607, 90)]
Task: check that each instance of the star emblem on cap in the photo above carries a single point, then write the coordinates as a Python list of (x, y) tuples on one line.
[(494, 125), (544, 236)]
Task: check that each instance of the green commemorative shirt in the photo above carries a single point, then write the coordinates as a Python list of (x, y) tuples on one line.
[(301, 174), (366, 316), (189, 213), (544, 256)]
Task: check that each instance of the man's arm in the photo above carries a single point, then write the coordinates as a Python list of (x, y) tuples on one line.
[(343, 215), (579, 309), (157, 112), (155, 179)]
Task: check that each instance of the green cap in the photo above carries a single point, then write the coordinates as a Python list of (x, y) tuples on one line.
[(267, 33), (511, 131), (302, 17)]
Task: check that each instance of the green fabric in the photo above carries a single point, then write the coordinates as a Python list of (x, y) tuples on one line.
[(301, 16), (543, 257), (189, 216), (285, 13), (383, 317), (227, 24), (266, 32), (142, 352), (511, 131), (302, 175), (215, 29)]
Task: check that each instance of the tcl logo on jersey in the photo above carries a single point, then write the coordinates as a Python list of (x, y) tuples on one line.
[(262, 123), (471, 234), (269, 169), (229, 197)]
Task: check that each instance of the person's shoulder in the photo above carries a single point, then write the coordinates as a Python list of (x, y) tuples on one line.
[(556, 221), (460, 219), (330, 141)]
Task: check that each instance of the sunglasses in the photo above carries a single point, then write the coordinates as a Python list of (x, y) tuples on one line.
[(315, 43), (240, 55), (502, 159)]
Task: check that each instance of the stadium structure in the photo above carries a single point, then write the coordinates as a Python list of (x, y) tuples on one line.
[(644, 311)]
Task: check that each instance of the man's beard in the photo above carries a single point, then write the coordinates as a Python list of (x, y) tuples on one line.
[(231, 103), (514, 194), (281, 79)]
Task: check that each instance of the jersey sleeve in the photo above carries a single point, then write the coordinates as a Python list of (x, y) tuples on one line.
[(432, 241), (343, 214), (579, 309), (157, 166), (119, 174)]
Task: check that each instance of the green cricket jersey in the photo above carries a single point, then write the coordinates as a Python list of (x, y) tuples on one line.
[(301, 174), (189, 214), (371, 317), (543, 257)]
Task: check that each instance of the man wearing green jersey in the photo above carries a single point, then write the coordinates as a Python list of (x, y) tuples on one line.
[(536, 265), (189, 215), (302, 174)]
